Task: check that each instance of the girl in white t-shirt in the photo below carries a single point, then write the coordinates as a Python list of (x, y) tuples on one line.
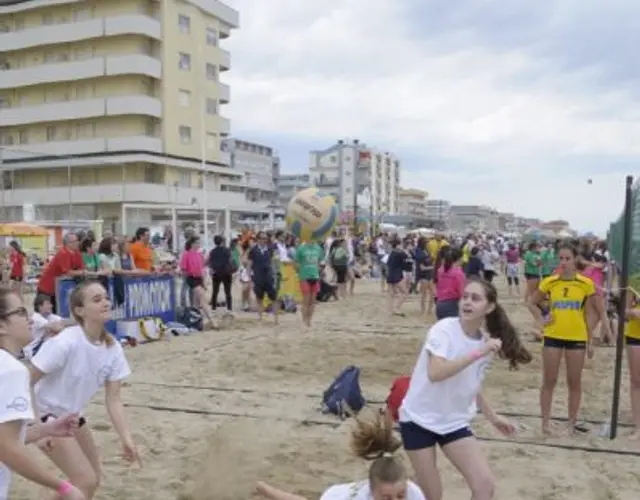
[(387, 475), (44, 324), (67, 372), (446, 385), (16, 411)]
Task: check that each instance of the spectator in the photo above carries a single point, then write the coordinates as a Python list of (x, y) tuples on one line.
[(222, 266), (66, 262), (89, 251), (141, 251)]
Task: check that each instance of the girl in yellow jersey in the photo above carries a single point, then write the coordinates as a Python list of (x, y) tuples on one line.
[(632, 338), (566, 332)]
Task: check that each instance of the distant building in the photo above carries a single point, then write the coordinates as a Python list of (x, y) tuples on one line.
[(556, 226), (507, 222), (260, 167), (439, 211), (290, 184), (349, 169), (413, 202), (477, 218)]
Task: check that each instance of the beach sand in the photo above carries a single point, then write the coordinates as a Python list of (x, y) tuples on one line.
[(214, 412)]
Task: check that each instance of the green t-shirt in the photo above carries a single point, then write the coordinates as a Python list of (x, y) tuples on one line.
[(549, 261), (308, 257), (531, 261), (91, 261), (235, 255)]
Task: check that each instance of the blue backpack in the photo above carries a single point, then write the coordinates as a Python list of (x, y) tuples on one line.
[(344, 395)]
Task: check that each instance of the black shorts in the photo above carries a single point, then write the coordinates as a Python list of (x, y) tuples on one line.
[(50, 416), (415, 437), (530, 276), (17, 278), (194, 281), (569, 345), (266, 287), (632, 342), (341, 273), (424, 276)]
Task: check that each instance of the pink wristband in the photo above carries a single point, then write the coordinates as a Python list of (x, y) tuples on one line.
[(476, 355), (65, 488)]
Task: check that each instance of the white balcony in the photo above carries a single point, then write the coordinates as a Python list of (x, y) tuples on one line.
[(126, 193), (133, 64), (81, 109), (225, 158), (224, 92), (84, 147), (225, 60), (220, 10), (136, 24)]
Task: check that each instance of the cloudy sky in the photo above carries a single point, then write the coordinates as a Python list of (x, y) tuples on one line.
[(514, 104)]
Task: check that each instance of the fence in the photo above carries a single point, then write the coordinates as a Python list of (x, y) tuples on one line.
[(615, 238)]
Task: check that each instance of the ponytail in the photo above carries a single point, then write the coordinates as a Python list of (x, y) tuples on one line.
[(374, 440), (500, 327)]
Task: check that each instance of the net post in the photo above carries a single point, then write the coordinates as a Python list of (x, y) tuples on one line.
[(623, 284)]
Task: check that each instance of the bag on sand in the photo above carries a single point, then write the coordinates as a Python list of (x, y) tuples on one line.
[(396, 396), (191, 317), (344, 394)]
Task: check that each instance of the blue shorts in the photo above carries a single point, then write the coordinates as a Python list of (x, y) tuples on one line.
[(415, 437), (447, 309)]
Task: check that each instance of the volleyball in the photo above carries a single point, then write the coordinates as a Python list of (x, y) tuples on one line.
[(311, 215)]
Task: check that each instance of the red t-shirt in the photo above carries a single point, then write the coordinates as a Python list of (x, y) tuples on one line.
[(62, 262), (17, 264)]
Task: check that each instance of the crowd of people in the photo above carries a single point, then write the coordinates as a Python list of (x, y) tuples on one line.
[(67, 360)]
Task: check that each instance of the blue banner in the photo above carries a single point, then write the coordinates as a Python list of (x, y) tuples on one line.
[(152, 296)]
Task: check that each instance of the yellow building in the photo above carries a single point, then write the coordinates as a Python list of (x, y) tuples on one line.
[(105, 102)]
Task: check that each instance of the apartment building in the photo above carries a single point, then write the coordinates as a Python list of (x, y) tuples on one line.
[(413, 202), (476, 218), (107, 102), (439, 211), (507, 222), (290, 184), (349, 168)]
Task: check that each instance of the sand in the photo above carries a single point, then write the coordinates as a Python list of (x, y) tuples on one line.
[(247, 402)]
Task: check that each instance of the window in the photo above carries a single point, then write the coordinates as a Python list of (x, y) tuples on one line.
[(6, 139), (185, 62), (4, 102), (24, 137), (212, 36), (212, 106), (51, 133), (211, 72), (184, 98), (47, 19), (212, 141), (184, 22), (185, 134), (185, 178), (19, 24)]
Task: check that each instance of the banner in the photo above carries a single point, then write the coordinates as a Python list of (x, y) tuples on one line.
[(152, 296)]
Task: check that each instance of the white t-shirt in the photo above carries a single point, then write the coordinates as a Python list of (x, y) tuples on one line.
[(15, 404), (362, 491), (449, 405), (38, 330), (75, 369)]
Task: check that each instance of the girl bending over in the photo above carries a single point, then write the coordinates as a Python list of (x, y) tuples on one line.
[(387, 475)]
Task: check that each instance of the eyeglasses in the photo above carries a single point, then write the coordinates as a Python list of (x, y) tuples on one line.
[(20, 311)]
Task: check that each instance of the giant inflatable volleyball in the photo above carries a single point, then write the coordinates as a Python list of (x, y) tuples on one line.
[(311, 215)]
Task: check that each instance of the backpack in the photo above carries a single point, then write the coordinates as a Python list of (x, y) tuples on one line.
[(344, 394), (191, 317), (340, 257), (396, 396)]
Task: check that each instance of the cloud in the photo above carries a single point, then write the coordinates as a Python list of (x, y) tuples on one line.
[(510, 104)]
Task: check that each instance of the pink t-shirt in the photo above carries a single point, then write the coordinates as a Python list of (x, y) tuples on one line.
[(513, 256), (596, 275), (192, 263), (450, 284)]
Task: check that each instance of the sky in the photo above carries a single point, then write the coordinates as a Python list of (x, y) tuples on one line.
[(527, 106)]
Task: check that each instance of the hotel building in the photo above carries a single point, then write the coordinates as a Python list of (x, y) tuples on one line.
[(112, 102)]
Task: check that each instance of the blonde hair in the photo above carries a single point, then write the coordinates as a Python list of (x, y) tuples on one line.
[(375, 440), (76, 299)]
